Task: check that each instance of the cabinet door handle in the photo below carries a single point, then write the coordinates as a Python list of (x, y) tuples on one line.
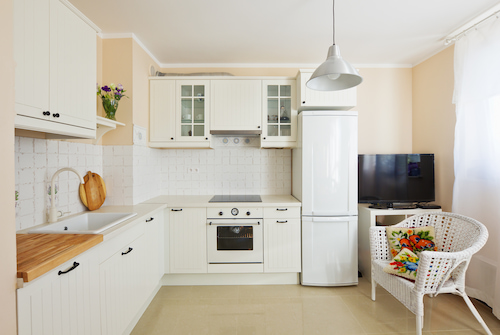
[(281, 209), (171, 138), (75, 265), (150, 219), (128, 251), (281, 221), (55, 115), (258, 127), (176, 210), (47, 113)]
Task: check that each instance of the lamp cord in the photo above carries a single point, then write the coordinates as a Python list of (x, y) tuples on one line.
[(333, 22)]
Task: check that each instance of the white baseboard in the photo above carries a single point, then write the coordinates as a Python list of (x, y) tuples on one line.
[(230, 279)]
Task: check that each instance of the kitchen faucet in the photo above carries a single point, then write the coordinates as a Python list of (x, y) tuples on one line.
[(53, 210)]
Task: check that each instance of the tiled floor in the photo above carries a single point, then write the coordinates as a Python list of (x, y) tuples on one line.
[(295, 309)]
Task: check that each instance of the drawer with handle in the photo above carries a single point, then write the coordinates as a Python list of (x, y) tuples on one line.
[(282, 212)]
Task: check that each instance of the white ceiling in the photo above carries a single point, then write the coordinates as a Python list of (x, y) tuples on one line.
[(284, 32)]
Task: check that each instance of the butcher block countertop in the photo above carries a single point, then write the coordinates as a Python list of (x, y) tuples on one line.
[(40, 253)]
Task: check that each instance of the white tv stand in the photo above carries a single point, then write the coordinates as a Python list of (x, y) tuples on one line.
[(368, 217)]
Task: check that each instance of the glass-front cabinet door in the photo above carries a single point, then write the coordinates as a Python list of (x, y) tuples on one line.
[(193, 112), (279, 113)]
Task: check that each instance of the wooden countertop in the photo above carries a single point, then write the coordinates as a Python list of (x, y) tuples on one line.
[(40, 253)]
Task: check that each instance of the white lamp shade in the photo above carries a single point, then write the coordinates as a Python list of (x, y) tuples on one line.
[(334, 74)]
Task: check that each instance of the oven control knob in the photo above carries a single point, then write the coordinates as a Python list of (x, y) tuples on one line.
[(235, 211), (220, 213), (248, 213)]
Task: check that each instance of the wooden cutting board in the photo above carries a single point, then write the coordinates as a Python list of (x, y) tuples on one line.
[(93, 192), (40, 253)]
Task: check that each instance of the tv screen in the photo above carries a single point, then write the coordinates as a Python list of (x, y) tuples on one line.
[(397, 178)]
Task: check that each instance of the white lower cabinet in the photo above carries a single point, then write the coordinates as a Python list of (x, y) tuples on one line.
[(63, 301), (188, 240), (282, 242)]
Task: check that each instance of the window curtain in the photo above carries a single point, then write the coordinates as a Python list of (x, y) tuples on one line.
[(476, 192)]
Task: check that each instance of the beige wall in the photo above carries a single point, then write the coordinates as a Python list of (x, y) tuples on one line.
[(117, 69), (8, 261), (434, 119), (140, 72), (385, 111)]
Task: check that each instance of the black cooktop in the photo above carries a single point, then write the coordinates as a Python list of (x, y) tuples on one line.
[(236, 198)]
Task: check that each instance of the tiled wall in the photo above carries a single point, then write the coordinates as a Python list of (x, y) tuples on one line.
[(36, 162), (137, 173)]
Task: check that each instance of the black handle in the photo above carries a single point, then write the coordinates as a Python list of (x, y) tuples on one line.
[(75, 265), (55, 115), (258, 127), (128, 251), (303, 102), (47, 113), (171, 138), (150, 219), (282, 221), (206, 138), (264, 138), (176, 210), (281, 209)]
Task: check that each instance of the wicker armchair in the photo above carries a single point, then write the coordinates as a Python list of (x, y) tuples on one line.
[(457, 238)]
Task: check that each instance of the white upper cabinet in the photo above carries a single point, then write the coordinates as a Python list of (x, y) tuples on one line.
[(236, 104), (340, 100), (179, 113), (55, 53), (279, 113)]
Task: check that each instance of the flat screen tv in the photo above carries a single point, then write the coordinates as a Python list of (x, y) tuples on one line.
[(385, 180)]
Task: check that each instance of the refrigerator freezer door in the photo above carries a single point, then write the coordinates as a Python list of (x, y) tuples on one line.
[(329, 165), (329, 251)]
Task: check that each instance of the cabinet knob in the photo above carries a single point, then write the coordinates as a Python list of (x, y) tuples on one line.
[(206, 138), (258, 127), (264, 138), (55, 114), (303, 102), (171, 138), (221, 213), (248, 213), (46, 113)]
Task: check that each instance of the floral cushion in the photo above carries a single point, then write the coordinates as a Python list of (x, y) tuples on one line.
[(405, 265), (413, 239)]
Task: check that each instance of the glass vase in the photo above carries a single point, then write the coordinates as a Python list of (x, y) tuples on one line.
[(110, 106)]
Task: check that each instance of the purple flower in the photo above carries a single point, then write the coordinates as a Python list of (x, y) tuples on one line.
[(120, 87), (106, 88)]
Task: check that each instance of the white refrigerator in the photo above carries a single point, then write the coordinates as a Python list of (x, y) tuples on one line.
[(325, 180)]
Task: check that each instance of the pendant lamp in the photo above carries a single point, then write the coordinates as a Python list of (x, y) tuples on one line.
[(335, 73)]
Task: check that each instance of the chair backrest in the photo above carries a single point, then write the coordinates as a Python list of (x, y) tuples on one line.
[(454, 232)]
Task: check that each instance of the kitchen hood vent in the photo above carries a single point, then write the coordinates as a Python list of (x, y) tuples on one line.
[(236, 132)]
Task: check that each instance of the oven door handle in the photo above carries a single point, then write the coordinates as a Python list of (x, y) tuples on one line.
[(233, 223)]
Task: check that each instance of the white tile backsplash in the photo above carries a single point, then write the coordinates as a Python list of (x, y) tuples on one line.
[(137, 173)]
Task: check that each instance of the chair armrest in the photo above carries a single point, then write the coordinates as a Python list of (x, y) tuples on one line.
[(435, 267), (379, 247)]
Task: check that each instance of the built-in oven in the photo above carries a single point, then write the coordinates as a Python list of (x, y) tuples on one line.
[(234, 235)]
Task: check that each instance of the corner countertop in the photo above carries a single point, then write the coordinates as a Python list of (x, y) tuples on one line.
[(40, 253)]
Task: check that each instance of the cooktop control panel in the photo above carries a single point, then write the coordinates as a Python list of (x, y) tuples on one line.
[(235, 213)]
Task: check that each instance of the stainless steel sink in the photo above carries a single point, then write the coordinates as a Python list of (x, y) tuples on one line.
[(88, 223)]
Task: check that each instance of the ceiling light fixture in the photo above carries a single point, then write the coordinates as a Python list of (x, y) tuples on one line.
[(335, 73)]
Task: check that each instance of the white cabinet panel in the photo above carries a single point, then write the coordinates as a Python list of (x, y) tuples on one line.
[(282, 245), (236, 104), (121, 278), (31, 52), (188, 240), (342, 100), (62, 303), (72, 68), (55, 52), (162, 111)]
